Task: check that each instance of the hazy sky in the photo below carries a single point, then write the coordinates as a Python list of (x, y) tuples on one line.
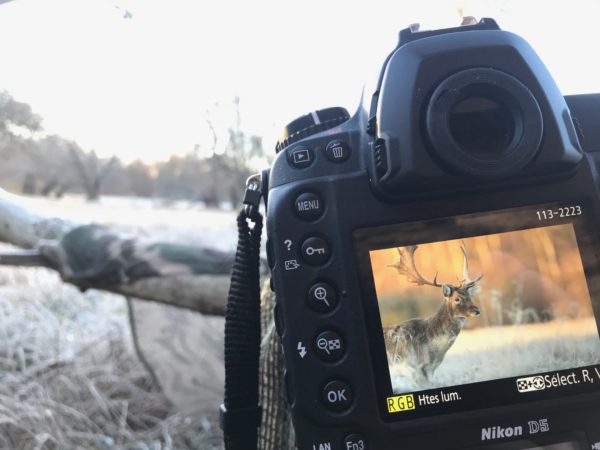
[(136, 78)]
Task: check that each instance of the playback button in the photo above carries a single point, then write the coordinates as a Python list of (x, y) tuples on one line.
[(315, 251), (300, 157)]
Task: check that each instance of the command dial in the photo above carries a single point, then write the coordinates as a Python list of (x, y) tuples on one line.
[(310, 124)]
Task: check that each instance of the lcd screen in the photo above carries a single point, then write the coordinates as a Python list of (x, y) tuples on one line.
[(459, 313), (484, 307)]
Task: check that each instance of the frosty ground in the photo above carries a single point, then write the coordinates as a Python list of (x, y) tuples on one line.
[(69, 378)]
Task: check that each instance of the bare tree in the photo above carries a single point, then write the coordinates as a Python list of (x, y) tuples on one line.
[(14, 113), (141, 182), (92, 170)]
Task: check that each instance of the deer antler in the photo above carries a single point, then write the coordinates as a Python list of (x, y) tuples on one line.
[(406, 266), (466, 279)]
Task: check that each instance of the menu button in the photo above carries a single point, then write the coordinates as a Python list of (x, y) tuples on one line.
[(308, 206)]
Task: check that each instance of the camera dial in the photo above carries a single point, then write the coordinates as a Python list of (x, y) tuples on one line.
[(310, 124)]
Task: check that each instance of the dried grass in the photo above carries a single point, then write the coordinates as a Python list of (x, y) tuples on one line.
[(69, 378)]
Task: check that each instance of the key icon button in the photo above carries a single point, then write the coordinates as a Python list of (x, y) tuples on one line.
[(315, 251)]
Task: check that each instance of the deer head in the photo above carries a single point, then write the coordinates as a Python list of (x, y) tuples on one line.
[(458, 298)]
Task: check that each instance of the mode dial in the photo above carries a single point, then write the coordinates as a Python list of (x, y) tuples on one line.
[(310, 124)]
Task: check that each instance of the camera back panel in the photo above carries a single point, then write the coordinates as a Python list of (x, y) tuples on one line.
[(329, 220)]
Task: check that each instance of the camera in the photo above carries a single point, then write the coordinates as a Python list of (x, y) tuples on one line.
[(436, 256)]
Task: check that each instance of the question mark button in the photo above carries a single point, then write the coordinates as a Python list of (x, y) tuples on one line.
[(288, 244)]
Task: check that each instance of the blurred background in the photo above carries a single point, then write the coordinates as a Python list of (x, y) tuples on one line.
[(181, 100), (148, 116), (528, 276)]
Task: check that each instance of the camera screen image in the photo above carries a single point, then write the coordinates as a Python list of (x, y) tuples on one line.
[(484, 308)]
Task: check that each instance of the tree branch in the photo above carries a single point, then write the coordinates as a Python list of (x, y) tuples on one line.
[(24, 258), (201, 293)]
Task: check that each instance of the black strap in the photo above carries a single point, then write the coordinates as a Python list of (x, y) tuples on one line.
[(240, 414)]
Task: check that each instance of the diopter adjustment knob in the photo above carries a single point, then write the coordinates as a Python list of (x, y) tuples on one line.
[(372, 126), (310, 124), (380, 150)]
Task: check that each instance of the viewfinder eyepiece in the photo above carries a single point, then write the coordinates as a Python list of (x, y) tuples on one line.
[(483, 122)]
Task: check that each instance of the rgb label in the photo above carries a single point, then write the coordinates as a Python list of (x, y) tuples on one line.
[(401, 403)]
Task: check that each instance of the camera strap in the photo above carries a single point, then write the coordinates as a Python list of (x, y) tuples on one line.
[(240, 413)]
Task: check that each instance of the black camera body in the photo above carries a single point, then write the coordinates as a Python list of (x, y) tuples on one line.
[(469, 160)]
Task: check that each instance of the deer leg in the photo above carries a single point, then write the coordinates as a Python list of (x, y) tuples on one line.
[(420, 376), (428, 371)]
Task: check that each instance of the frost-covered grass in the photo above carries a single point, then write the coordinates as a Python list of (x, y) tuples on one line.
[(69, 376), (502, 352)]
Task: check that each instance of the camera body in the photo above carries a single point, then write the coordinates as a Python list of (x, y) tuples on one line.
[(467, 161)]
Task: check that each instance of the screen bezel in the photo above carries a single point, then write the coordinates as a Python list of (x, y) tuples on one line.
[(443, 229)]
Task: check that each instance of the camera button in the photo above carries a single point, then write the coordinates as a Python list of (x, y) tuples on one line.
[(355, 441), (337, 151), (315, 251), (329, 346), (337, 396), (321, 298), (308, 206), (300, 157)]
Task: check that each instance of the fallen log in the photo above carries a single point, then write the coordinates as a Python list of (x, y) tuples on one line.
[(98, 257)]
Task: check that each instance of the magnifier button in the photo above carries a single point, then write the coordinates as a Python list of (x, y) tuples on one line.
[(322, 297), (329, 346)]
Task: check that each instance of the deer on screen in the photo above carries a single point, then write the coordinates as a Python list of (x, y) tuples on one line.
[(422, 344)]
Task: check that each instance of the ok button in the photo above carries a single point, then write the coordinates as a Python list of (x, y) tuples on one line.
[(315, 251), (337, 396)]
